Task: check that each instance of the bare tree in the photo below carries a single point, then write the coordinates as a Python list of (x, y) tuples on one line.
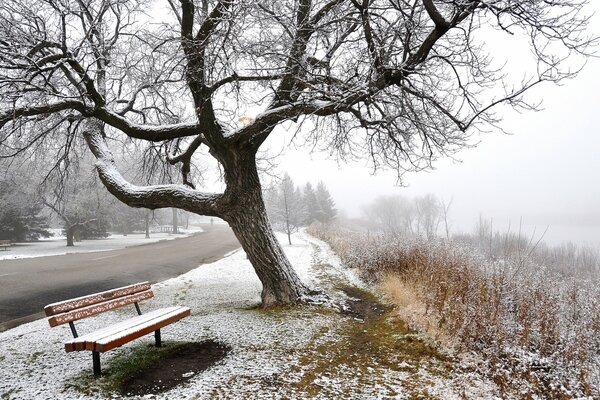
[(445, 206), (77, 202), (287, 208), (395, 215), (429, 215), (398, 81)]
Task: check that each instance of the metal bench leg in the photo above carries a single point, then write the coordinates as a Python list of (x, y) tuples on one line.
[(157, 338), (96, 361)]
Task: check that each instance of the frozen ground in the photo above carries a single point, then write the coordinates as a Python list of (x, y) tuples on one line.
[(57, 245), (289, 353)]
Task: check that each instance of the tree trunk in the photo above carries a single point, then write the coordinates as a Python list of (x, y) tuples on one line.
[(175, 222), (281, 284), (147, 221), (247, 217), (70, 236)]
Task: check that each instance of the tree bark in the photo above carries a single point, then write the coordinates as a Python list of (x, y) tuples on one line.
[(281, 284), (70, 236), (246, 215), (147, 224), (175, 221)]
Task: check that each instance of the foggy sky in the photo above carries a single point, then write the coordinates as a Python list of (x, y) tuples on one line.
[(546, 173)]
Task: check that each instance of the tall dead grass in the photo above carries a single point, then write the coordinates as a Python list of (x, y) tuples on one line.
[(511, 308)]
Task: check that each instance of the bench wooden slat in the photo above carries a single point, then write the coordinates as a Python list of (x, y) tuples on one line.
[(127, 335), (84, 301), (94, 309), (79, 344)]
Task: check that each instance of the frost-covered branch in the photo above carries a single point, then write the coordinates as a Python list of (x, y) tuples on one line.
[(153, 196)]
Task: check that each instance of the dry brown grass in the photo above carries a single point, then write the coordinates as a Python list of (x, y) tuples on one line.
[(523, 317), (411, 308)]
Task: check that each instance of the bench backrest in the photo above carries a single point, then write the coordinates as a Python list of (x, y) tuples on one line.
[(86, 306), (4, 242)]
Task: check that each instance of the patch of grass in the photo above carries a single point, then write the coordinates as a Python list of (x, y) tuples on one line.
[(124, 365), (9, 395), (369, 350), (295, 310), (2, 358), (34, 357), (360, 293)]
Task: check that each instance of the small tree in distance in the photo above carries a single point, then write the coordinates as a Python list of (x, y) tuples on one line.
[(77, 202), (288, 208), (401, 216)]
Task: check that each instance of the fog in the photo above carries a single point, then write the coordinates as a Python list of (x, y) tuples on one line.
[(545, 173)]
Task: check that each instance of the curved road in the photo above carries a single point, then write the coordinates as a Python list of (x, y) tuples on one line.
[(27, 285)]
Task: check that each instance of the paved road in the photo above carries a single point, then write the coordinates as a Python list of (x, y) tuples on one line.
[(27, 285)]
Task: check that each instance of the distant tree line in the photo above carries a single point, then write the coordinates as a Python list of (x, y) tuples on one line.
[(397, 215), (75, 201), (290, 207)]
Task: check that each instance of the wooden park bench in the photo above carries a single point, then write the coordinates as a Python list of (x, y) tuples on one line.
[(4, 244), (118, 334)]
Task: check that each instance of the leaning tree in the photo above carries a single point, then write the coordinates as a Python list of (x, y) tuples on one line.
[(397, 81)]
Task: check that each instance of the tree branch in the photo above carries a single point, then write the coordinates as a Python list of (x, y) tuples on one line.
[(152, 197), (14, 114), (238, 78), (434, 14), (151, 133)]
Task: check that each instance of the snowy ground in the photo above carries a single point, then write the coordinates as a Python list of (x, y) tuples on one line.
[(57, 245), (275, 354)]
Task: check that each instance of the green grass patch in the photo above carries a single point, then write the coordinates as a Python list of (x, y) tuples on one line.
[(9, 395), (370, 349), (34, 356), (126, 364)]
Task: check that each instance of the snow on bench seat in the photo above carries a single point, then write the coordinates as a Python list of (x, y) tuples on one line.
[(84, 301), (79, 343), (99, 308), (125, 331)]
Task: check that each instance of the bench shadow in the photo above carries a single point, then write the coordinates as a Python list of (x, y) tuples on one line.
[(174, 368)]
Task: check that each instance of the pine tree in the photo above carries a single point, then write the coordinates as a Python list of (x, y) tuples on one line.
[(311, 205), (21, 216), (326, 206)]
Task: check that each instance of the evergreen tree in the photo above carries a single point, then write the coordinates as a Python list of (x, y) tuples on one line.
[(21, 216), (311, 205), (125, 219), (325, 205)]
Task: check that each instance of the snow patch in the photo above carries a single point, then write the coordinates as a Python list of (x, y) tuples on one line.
[(56, 246)]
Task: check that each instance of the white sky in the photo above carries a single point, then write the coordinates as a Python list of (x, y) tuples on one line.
[(547, 172)]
